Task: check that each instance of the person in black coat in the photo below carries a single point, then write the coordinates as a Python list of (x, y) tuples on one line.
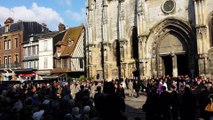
[(174, 103), (188, 105), (152, 106), (98, 99), (136, 87), (165, 103), (203, 101), (121, 94), (111, 107)]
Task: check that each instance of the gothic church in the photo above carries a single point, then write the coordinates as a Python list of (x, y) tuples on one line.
[(152, 37)]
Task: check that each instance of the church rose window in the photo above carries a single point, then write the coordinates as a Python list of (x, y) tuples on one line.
[(168, 6)]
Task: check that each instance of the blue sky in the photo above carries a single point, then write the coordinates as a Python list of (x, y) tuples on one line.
[(50, 12)]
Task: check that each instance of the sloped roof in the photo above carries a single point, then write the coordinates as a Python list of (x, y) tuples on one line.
[(28, 28), (60, 43), (72, 34), (49, 34)]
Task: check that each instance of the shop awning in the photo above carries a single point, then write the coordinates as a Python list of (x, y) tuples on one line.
[(53, 76), (28, 70), (27, 74)]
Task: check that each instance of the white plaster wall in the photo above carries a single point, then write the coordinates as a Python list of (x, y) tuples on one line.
[(78, 53), (46, 54), (79, 50)]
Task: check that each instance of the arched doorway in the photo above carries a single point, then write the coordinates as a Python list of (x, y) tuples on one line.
[(171, 48), (173, 54)]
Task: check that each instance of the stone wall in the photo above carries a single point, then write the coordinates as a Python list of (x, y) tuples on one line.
[(147, 16)]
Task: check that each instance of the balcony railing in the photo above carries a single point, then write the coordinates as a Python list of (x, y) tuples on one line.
[(11, 65), (33, 57)]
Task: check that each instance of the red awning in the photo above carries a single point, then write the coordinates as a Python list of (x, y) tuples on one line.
[(27, 74)]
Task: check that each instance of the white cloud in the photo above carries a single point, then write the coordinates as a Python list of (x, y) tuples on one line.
[(76, 16), (65, 2), (35, 13)]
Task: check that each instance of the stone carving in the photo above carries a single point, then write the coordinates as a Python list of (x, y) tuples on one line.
[(140, 8), (201, 31)]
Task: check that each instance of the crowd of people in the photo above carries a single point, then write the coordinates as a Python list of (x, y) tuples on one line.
[(178, 98), (62, 101), (168, 98)]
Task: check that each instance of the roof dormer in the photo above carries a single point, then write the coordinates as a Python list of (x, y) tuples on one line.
[(70, 42)]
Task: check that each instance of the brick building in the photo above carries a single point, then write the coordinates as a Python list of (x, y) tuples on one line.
[(12, 36)]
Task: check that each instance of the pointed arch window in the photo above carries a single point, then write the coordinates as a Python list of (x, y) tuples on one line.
[(211, 30)]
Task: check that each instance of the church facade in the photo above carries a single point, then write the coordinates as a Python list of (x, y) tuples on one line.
[(150, 37)]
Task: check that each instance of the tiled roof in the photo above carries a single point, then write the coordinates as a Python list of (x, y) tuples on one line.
[(72, 34)]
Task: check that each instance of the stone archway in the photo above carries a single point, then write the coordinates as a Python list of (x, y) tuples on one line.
[(171, 49), (172, 54)]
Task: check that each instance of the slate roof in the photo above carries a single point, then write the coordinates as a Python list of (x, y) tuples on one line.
[(49, 34), (28, 28)]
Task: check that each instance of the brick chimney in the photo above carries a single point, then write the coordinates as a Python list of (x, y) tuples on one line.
[(61, 27), (9, 21)]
